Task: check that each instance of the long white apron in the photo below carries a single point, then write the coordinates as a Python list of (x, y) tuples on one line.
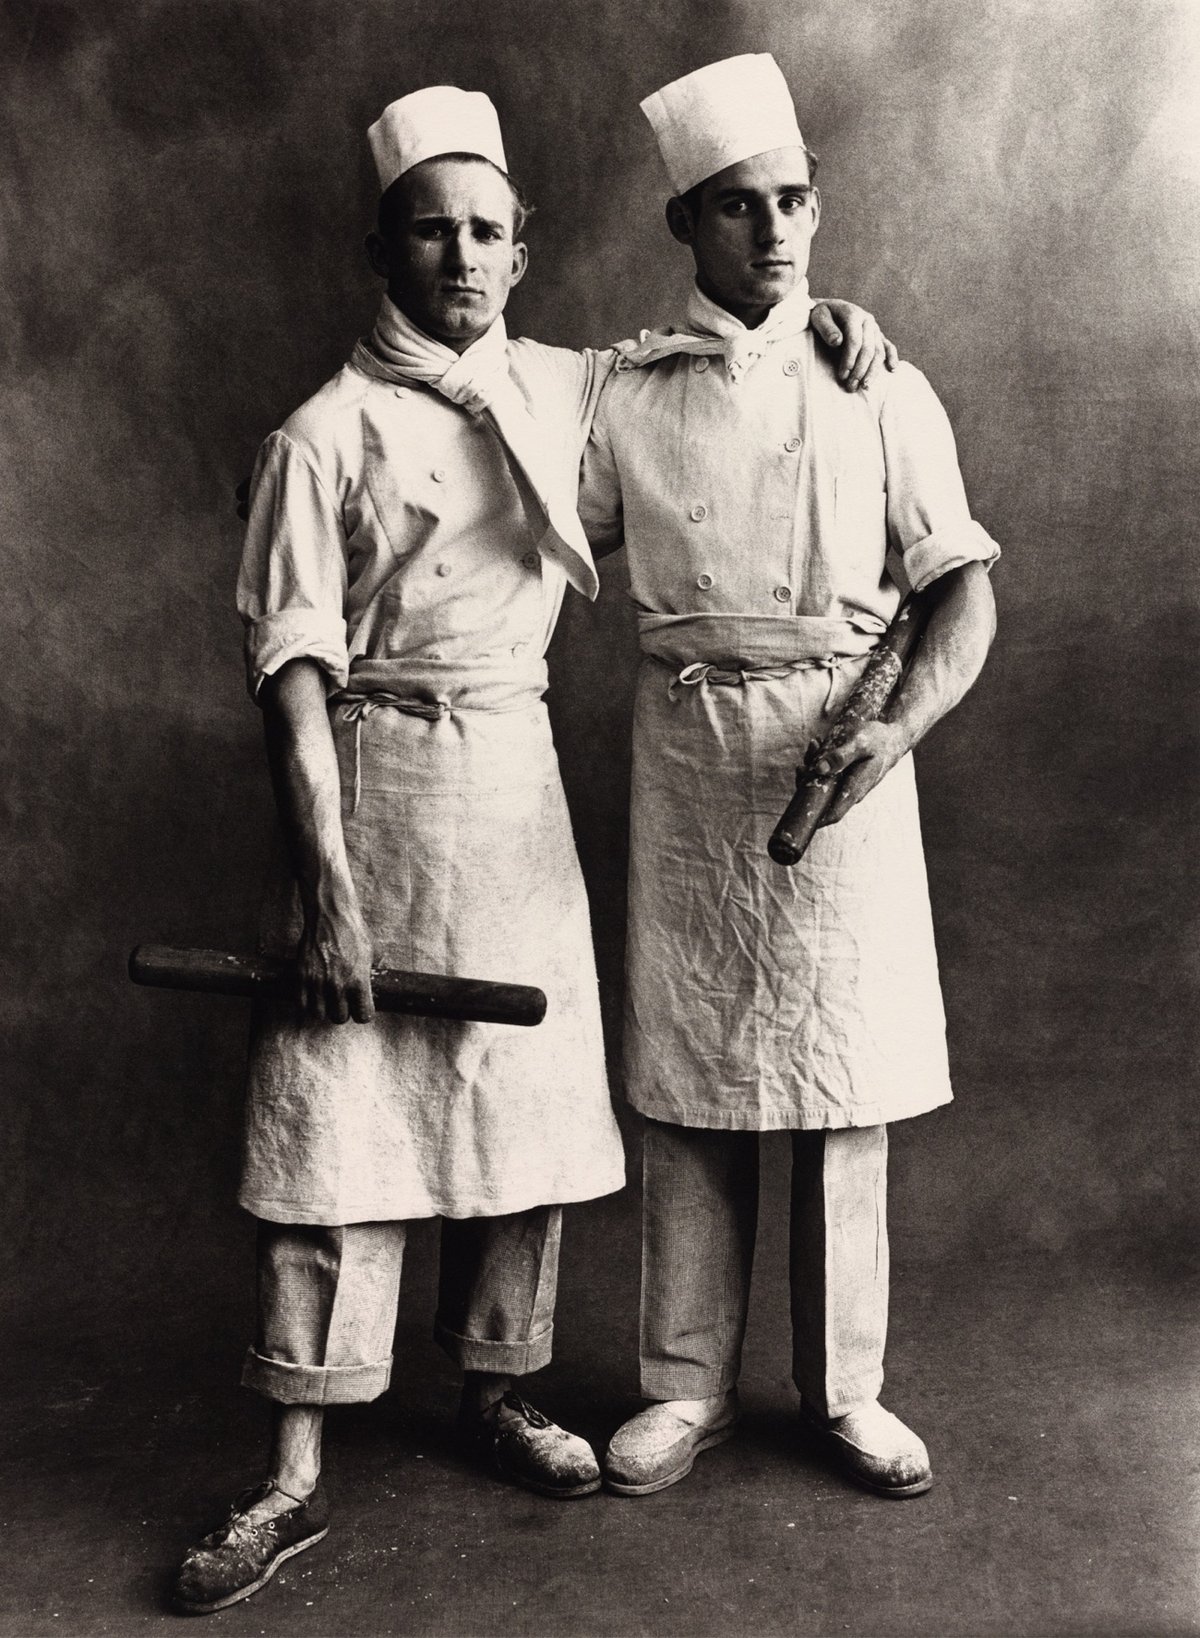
[(761, 997), (461, 850)]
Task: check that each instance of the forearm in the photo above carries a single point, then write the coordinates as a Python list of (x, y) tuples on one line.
[(307, 786), (951, 652)]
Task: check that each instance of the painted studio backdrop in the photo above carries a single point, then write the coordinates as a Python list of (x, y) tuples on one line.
[(1008, 185)]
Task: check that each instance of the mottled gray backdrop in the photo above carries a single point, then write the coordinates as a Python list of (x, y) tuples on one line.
[(1010, 184)]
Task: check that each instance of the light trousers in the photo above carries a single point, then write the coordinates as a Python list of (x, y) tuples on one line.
[(700, 1215), (327, 1303)]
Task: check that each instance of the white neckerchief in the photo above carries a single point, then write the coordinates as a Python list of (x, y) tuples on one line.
[(712, 329), (478, 380)]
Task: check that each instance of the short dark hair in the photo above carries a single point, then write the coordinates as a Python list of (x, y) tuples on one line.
[(390, 200), (691, 199)]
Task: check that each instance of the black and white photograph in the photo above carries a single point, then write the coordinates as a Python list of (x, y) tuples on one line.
[(601, 792)]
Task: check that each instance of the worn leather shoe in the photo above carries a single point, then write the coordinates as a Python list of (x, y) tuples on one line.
[(659, 1445), (244, 1553), (533, 1451), (874, 1448)]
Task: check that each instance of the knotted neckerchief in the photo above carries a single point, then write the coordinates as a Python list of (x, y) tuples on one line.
[(711, 329), (479, 381)]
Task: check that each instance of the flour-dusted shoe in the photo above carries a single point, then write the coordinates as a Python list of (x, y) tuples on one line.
[(533, 1451), (874, 1448), (659, 1445), (242, 1556)]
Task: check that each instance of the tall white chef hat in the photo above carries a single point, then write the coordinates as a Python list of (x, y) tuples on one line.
[(725, 112), (441, 119)]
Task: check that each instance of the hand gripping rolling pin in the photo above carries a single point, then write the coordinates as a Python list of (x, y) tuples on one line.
[(867, 701), (427, 995)]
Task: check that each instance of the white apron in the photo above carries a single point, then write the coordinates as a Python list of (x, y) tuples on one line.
[(389, 542), (462, 854), (758, 507), (760, 997)]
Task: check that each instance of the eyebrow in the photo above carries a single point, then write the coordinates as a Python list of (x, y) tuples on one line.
[(449, 221), (760, 193)]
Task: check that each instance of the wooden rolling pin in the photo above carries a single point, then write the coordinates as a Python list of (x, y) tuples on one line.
[(427, 995), (867, 701)]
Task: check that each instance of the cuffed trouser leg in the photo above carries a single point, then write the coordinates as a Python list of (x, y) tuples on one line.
[(326, 1312), (699, 1219), (839, 1266), (496, 1288)]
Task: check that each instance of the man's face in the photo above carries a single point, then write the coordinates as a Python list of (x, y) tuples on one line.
[(753, 231), (449, 256)]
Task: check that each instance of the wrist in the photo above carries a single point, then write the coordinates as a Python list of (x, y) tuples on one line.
[(903, 736), (331, 896)]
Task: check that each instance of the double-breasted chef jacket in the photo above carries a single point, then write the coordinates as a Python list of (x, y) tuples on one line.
[(760, 518), (392, 542)]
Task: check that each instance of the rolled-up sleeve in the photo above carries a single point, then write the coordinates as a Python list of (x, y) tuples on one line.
[(291, 591), (929, 520)]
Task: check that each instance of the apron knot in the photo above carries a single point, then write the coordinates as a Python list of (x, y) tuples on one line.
[(357, 707), (702, 671)]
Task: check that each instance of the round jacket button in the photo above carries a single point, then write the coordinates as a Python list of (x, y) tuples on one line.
[(439, 474), (792, 445), (704, 581), (700, 365), (444, 569), (699, 512), (530, 560), (783, 594), (401, 392), (792, 367)]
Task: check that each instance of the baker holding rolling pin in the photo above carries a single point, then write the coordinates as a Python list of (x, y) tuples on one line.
[(411, 536), (412, 533), (768, 519)]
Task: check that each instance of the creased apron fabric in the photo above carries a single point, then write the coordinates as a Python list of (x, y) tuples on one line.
[(758, 997), (462, 853), (391, 541), (770, 519)]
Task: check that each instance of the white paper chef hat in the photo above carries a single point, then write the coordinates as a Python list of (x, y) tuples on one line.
[(441, 119), (729, 111)]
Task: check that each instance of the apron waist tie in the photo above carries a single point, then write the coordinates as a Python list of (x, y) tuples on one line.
[(359, 706), (700, 672)]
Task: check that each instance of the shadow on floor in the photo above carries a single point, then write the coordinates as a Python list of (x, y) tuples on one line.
[(1060, 1410)]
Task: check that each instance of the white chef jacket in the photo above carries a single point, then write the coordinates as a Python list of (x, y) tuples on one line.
[(760, 519), (391, 542)]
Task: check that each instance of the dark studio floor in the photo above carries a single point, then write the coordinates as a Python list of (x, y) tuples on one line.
[(1060, 1410)]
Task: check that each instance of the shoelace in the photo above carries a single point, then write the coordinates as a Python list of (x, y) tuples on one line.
[(239, 1528), (525, 1409), (243, 1532)]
